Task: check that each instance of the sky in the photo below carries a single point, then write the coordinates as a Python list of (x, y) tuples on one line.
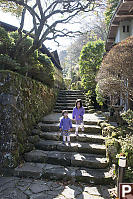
[(64, 42)]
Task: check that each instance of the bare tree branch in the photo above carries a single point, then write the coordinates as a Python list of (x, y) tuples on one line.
[(51, 13), (38, 2)]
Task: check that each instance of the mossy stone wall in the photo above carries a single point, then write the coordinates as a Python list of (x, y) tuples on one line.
[(23, 102)]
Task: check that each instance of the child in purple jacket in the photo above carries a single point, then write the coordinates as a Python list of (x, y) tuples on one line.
[(65, 127), (77, 115)]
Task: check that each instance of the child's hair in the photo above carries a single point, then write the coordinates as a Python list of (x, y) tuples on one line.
[(78, 100), (64, 111)]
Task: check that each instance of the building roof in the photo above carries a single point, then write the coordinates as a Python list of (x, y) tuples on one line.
[(44, 50), (124, 12)]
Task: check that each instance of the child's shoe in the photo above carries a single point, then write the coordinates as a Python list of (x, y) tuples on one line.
[(82, 129), (76, 133), (69, 143)]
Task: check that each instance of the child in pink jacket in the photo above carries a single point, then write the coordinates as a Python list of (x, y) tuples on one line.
[(77, 115)]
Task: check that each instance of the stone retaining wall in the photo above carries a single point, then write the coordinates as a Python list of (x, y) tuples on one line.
[(23, 102)]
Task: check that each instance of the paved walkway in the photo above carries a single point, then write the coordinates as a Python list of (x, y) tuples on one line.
[(87, 117), (24, 188), (17, 188)]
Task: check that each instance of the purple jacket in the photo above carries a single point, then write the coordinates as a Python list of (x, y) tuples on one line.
[(78, 112), (65, 123)]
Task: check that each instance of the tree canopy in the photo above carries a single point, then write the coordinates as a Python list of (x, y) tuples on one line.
[(115, 77), (89, 62)]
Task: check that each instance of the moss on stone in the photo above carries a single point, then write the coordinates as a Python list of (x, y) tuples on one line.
[(23, 102)]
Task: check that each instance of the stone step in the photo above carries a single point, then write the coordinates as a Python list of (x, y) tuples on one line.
[(55, 127), (72, 91), (71, 95), (80, 138), (66, 107), (70, 111), (67, 159), (90, 107), (70, 98), (68, 101), (57, 172), (91, 111), (91, 122), (90, 119), (71, 105), (81, 147)]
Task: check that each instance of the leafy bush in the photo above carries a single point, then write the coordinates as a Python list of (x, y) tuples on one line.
[(127, 148), (26, 43), (89, 62), (47, 64), (12, 57), (76, 85), (40, 73), (5, 41), (45, 60), (128, 117), (20, 48), (99, 97), (67, 82), (7, 63)]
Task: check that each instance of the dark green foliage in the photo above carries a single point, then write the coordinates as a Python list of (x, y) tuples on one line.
[(99, 97), (13, 57), (7, 63), (5, 41), (44, 59), (41, 74), (111, 7), (128, 117), (20, 47)]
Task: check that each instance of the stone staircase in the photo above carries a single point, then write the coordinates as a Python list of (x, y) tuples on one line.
[(84, 161), (66, 100)]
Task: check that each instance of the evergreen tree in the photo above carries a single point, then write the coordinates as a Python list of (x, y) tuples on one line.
[(90, 60)]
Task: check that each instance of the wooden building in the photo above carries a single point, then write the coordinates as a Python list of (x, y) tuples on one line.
[(120, 28)]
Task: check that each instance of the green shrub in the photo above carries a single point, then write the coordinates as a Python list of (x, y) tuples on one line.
[(99, 97), (128, 117), (112, 147), (127, 148), (41, 74), (5, 41), (67, 82), (38, 66), (76, 85), (47, 64), (45, 60), (20, 48), (25, 44), (7, 63)]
